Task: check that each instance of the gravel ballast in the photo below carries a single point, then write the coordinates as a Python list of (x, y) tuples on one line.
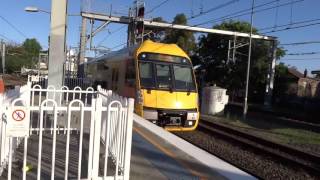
[(255, 163)]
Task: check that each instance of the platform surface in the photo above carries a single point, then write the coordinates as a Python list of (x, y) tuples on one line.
[(158, 154)]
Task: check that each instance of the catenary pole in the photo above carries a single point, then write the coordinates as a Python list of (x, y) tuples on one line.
[(245, 108)]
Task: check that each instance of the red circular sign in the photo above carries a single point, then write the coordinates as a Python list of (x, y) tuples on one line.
[(18, 115)]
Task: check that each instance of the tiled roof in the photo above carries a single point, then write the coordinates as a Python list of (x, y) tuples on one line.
[(295, 73)]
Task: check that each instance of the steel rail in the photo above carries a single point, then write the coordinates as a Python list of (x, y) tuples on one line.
[(282, 153)]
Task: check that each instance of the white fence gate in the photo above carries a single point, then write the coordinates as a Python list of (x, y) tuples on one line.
[(70, 82), (65, 134)]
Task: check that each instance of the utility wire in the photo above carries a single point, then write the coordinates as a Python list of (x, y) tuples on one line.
[(247, 13), (300, 59), (300, 43), (289, 28), (213, 9), (241, 11), (113, 32), (119, 45), (303, 53), (5, 37), (15, 28), (157, 6), (276, 16), (292, 23)]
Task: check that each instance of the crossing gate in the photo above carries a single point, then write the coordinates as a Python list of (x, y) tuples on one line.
[(65, 134)]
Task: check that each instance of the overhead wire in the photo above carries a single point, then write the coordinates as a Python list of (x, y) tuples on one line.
[(276, 16), (119, 45), (291, 11), (237, 14), (241, 11), (300, 43), (289, 28), (156, 7), (14, 27), (303, 53), (300, 59), (113, 32), (4, 37), (292, 23), (213, 9)]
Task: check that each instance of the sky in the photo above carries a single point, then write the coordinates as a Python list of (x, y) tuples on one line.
[(37, 25)]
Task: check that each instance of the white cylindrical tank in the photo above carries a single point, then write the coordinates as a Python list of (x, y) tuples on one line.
[(214, 100)]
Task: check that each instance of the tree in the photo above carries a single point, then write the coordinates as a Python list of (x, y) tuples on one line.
[(32, 46), (25, 55), (213, 55), (182, 38), (281, 84)]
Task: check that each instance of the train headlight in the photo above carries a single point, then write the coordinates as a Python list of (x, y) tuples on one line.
[(178, 104), (192, 116)]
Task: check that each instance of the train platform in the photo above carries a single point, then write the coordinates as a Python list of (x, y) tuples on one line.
[(159, 154), (156, 154)]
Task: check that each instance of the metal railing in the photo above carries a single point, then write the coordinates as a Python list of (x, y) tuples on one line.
[(70, 82), (93, 117), (5, 100)]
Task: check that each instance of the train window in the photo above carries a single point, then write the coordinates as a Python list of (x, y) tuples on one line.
[(146, 75), (183, 78), (130, 73), (163, 76)]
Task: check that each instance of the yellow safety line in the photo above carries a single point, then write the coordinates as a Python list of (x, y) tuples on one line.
[(169, 153)]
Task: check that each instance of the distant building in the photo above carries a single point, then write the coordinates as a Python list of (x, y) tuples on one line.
[(302, 85)]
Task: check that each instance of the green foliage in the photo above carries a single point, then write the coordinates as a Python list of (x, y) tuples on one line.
[(282, 81), (25, 55), (213, 54), (182, 38), (32, 46)]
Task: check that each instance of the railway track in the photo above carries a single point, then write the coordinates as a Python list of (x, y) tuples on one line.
[(282, 153), (275, 117)]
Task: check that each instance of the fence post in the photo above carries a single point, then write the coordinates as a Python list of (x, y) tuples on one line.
[(96, 138), (128, 139), (2, 135)]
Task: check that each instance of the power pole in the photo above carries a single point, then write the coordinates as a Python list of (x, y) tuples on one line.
[(245, 108), (57, 47), (3, 50), (271, 73), (83, 40)]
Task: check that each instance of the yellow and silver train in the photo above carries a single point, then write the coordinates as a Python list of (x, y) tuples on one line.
[(159, 76)]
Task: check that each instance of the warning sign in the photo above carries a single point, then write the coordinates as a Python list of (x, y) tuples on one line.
[(18, 115), (18, 122)]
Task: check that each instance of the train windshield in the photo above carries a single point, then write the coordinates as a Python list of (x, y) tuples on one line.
[(183, 78), (166, 75)]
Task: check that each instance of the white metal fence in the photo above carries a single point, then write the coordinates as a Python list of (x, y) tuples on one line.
[(70, 82), (71, 134)]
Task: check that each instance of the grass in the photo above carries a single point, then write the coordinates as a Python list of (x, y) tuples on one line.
[(273, 131)]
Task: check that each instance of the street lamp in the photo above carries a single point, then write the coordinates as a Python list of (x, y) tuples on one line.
[(35, 9)]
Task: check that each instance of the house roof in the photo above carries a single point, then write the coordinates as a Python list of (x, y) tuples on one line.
[(295, 73)]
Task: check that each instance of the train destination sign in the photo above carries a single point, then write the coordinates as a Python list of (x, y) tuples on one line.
[(18, 122)]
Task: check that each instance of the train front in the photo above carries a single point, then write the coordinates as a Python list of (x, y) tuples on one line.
[(168, 93)]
